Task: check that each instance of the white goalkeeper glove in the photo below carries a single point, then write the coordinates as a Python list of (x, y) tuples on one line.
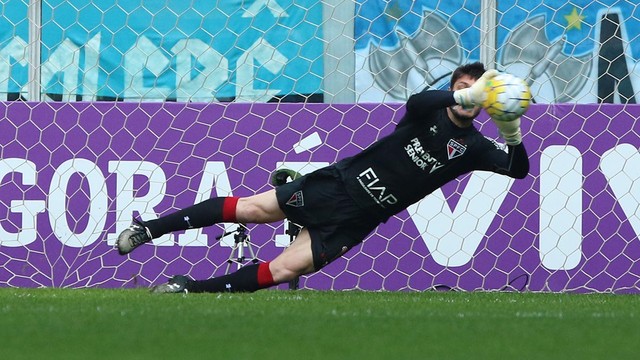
[(475, 94), (510, 131)]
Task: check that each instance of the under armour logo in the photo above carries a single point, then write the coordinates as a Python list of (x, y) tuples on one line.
[(433, 130)]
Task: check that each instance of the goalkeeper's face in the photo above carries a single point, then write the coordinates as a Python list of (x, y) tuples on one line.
[(463, 115)]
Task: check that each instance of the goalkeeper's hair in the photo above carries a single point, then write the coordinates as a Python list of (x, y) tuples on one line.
[(475, 70)]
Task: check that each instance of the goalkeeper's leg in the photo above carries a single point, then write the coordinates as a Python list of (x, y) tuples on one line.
[(294, 261), (260, 208)]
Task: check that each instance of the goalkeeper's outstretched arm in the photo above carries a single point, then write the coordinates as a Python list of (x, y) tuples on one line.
[(518, 161), (515, 163)]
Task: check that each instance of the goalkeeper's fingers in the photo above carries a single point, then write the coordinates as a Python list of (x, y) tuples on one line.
[(479, 88), (489, 74), (475, 94)]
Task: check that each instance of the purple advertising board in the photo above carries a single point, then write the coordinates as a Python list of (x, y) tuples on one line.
[(73, 174)]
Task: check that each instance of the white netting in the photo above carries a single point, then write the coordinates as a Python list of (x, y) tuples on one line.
[(146, 107)]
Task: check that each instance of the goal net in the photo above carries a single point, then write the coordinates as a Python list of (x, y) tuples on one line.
[(117, 109)]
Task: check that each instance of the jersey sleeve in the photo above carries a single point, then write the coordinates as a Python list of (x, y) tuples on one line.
[(424, 103), (513, 163)]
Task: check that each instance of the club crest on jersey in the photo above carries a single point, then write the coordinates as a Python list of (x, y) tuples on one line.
[(296, 200), (455, 149)]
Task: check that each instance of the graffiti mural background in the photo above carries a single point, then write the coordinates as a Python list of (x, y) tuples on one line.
[(578, 52)]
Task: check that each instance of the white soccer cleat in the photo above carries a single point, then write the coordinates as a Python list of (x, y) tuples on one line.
[(175, 285), (136, 235)]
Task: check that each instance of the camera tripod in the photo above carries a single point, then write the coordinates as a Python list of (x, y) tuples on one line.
[(241, 240)]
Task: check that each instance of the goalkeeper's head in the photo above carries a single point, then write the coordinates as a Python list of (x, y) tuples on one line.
[(473, 70), (463, 77)]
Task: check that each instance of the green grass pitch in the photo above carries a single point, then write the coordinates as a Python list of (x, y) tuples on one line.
[(279, 324)]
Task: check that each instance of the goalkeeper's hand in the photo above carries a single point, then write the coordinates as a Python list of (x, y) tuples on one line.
[(510, 131), (475, 94), (282, 176)]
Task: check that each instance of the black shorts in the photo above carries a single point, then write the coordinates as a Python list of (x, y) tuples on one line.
[(318, 201)]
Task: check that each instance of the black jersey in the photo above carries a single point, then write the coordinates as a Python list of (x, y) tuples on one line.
[(425, 151)]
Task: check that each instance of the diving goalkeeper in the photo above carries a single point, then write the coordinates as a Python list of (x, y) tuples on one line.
[(339, 205)]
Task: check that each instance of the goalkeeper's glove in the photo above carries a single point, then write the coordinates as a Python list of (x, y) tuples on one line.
[(510, 131), (282, 176), (475, 94)]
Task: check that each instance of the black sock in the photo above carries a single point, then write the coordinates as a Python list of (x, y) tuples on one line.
[(206, 213), (246, 279)]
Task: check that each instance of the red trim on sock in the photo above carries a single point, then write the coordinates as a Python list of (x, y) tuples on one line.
[(265, 279), (229, 209)]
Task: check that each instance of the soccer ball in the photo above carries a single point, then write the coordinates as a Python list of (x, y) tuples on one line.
[(508, 97)]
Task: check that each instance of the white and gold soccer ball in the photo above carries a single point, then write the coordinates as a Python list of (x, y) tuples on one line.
[(508, 97)]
